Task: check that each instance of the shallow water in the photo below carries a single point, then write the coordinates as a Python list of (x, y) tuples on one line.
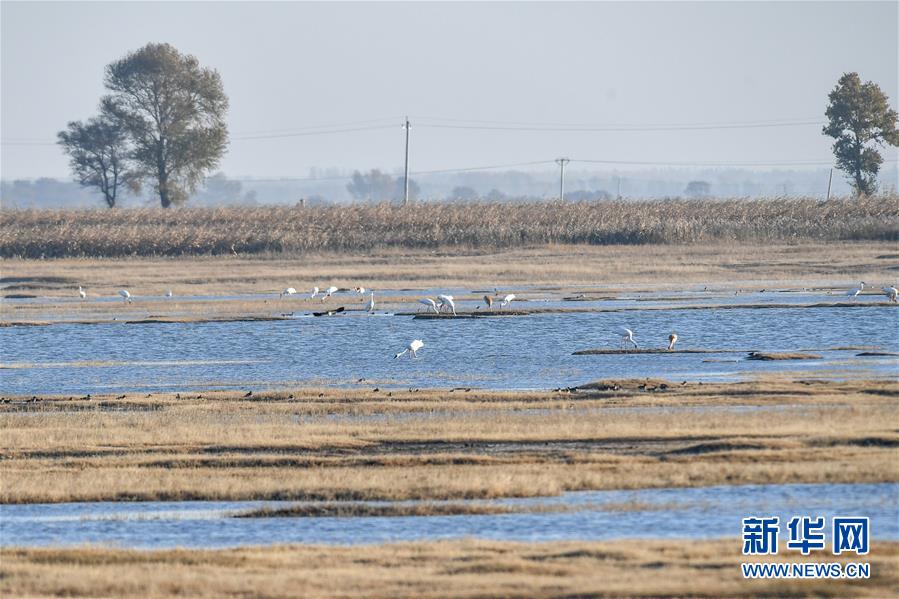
[(497, 353), (691, 513)]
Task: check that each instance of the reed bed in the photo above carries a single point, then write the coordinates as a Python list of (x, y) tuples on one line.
[(301, 230)]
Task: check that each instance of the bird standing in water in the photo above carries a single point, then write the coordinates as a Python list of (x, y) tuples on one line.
[(412, 347), (672, 339), (627, 336)]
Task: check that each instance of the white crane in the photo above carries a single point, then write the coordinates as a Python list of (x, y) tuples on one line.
[(169, 294), (431, 304), (360, 290), (627, 336), (288, 291), (412, 347), (370, 306), (329, 292), (81, 292), (447, 300), (314, 293), (672, 339), (125, 295), (853, 293), (891, 293), (507, 300)]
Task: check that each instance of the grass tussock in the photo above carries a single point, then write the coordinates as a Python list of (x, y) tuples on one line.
[(394, 510), (458, 568), (301, 230)]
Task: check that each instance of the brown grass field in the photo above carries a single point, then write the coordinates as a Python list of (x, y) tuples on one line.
[(464, 568), (333, 444), (300, 230)]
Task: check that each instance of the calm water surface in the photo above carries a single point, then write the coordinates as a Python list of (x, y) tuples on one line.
[(499, 353), (694, 513)]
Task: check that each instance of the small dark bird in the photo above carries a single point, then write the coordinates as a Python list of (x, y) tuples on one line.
[(248, 394)]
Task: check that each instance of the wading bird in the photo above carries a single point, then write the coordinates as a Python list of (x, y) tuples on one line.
[(370, 306), (412, 347), (853, 293), (288, 291), (329, 292), (489, 301), (169, 293), (81, 292), (431, 304), (125, 295), (507, 300), (627, 336), (360, 290), (672, 339), (890, 292), (447, 300), (314, 293)]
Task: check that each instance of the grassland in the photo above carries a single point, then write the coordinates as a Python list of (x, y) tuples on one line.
[(331, 444), (464, 568), (300, 230)]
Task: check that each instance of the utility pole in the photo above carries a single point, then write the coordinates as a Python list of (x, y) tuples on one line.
[(562, 162), (618, 177), (407, 126), (829, 182)]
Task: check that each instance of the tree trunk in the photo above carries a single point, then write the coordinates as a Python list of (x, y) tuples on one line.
[(162, 175)]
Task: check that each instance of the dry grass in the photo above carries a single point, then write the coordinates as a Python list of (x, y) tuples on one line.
[(464, 568), (203, 231), (445, 445)]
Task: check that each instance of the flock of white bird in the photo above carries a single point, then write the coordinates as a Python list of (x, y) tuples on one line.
[(446, 304)]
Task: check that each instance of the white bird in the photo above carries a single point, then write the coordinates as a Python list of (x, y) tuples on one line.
[(627, 336), (370, 307), (288, 291), (360, 290), (412, 347), (672, 339), (314, 293), (891, 293), (329, 292), (81, 292), (125, 295), (447, 300), (507, 300), (853, 293), (169, 293), (431, 304)]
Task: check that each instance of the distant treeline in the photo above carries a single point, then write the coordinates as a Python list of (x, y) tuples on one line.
[(298, 230)]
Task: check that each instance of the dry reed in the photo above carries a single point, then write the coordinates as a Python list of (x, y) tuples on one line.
[(299, 230)]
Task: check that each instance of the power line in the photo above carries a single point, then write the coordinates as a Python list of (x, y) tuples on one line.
[(710, 163), (481, 168), (586, 128)]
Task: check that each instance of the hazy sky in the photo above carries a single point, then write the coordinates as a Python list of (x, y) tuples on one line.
[(289, 66)]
